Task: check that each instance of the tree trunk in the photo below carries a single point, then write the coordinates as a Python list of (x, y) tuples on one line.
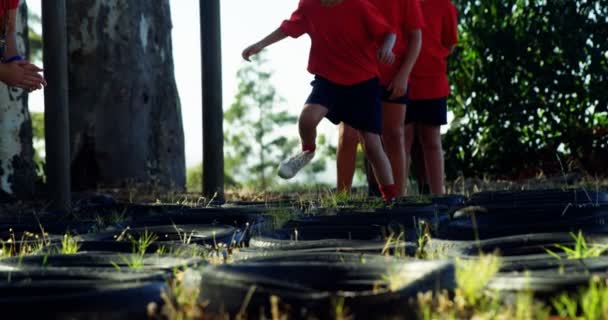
[(17, 169), (125, 114)]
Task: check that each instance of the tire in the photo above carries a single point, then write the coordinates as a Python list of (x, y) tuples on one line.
[(405, 217), (526, 264), (99, 262), (209, 235), (361, 248), (309, 287), (312, 256), (515, 199), (330, 237), (493, 222), (78, 294)]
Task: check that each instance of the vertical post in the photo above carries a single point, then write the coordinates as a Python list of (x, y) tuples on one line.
[(56, 117), (213, 115)]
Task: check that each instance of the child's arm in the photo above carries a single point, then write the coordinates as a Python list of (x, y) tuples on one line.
[(294, 27), (11, 35), (255, 48), (385, 53), (398, 85)]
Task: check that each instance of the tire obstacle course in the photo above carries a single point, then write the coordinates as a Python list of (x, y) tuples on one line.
[(366, 259)]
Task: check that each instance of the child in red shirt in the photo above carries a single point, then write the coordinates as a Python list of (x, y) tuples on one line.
[(406, 17), (429, 88), (345, 36), (13, 70)]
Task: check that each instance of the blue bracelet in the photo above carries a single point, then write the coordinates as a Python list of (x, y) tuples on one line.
[(13, 58)]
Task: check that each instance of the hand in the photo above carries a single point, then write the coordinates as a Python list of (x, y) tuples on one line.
[(251, 50), (386, 55), (24, 75), (398, 87)]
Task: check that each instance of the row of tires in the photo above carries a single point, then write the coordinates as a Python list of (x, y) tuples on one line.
[(321, 257)]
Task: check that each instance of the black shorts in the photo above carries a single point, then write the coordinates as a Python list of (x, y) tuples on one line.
[(357, 105), (432, 112), (386, 97)]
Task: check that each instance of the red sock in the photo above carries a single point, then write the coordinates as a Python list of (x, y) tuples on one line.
[(308, 147), (389, 191)]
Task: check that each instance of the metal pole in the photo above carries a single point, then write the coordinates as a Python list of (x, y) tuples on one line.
[(56, 116), (213, 115)]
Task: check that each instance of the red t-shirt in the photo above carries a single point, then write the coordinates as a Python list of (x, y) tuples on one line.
[(6, 5), (429, 78), (344, 38), (404, 16)]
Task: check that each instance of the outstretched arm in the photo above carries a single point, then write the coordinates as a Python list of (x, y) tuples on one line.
[(398, 86), (255, 48)]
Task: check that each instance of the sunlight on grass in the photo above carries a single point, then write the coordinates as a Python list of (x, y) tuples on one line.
[(581, 249), (473, 275), (69, 245)]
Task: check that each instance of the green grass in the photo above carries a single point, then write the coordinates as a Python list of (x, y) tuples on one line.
[(581, 249), (69, 245), (180, 298), (29, 243), (589, 303), (472, 276)]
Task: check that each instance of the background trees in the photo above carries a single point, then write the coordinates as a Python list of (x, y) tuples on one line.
[(529, 86)]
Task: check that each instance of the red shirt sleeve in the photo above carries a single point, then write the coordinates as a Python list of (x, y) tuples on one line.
[(375, 23), (449, 29), (414, 19), (296, 25)]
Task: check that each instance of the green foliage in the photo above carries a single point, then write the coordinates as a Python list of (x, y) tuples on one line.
[(581, 249), (588, 304), (254, 142), (528, 80), (39, 145), (194, 177), (473, 275), (35, 39), (69, 245)]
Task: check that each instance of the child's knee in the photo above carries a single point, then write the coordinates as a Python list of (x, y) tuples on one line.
[(348, 134), (394, 134), (371, 143)]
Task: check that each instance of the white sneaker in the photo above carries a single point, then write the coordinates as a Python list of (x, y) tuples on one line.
[(289, 168)]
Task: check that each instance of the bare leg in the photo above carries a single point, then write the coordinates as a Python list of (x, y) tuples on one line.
[(419, 163), (393, 118), (430, 137), (372, 144), (346, 156), (311, 116), (409, 140)]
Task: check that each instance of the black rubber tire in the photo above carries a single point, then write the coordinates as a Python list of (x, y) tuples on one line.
[(397, 216), (529, 252), (228, 216), (551, 277), (313, 256), (78, 294), (362, 248), (492, 222), (99, 261), (516, 199), (312, 285), (209, 235), (315, 237)]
